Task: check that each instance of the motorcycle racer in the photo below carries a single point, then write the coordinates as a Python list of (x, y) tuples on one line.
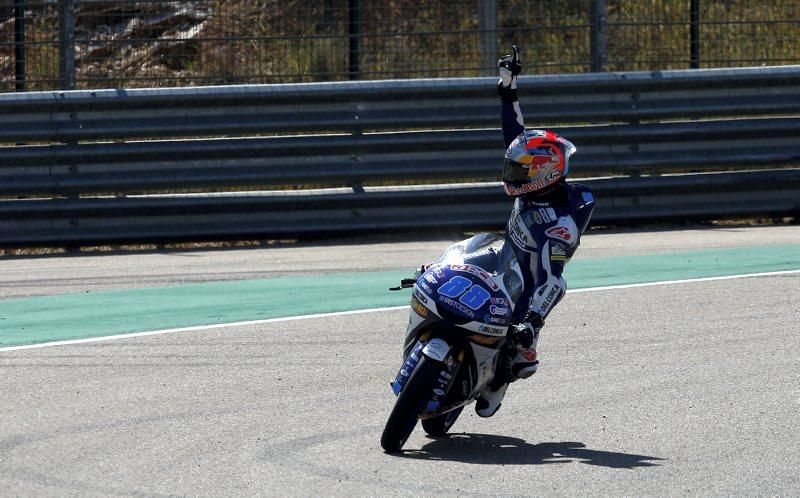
[(544, 229)]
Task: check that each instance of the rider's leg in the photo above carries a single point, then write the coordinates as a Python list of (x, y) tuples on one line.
[(512, 366)]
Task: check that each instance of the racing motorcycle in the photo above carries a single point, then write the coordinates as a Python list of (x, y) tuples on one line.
[(459, 324)]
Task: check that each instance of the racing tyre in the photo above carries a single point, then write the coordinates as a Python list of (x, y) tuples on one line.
[(409, 404), (438, 426)]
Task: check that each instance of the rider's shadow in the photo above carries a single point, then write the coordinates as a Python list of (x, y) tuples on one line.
[(492, 449)]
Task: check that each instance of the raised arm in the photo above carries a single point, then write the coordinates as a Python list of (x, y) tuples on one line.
[(509, 67)]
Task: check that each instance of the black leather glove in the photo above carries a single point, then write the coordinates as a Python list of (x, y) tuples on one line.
[(509, 67), (524, 335)]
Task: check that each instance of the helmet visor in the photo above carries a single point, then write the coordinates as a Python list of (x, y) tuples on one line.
[(514, 171)]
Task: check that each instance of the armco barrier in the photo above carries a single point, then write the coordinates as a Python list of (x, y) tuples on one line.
[(676, 144), (316, 214)]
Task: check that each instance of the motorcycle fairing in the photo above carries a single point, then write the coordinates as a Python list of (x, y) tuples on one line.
[(465, 299)]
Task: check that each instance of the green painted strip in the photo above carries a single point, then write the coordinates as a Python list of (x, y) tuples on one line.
[(620, 270), (97, 314)]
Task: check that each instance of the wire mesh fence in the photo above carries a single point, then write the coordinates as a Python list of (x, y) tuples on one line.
[(95, 44)]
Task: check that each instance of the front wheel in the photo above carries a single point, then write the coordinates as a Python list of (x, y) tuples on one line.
[(409, 404), (438, 426)]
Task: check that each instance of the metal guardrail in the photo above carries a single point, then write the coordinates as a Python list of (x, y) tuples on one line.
[(86, 144), (314, 215)]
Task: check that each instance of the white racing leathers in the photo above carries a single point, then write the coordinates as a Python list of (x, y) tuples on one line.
[(544, 236), (544, 231)]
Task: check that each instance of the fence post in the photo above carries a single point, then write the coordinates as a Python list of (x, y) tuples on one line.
[(694, 34), (66, 44), (354, 32), (19, 45), (487, 36), (597, 35)]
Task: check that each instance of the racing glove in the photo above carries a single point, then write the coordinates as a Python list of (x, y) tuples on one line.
[(509, 67)]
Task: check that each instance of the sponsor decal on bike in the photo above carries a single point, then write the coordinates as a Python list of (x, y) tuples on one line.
[(529, 354), (436, 349), (503, 320), (455, 304), (424, 286), (486, 329), (497, 310), (420, 296), (478, 272), (438, 392), (499, 300), (430, 278), (418, 307), (408, 367), (472, 295)]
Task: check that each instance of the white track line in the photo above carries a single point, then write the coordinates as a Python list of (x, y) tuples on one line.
[(688, 280), (355, 312)]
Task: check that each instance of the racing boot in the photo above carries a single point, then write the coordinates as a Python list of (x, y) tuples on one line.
[(517, 363), (522, 365), (489, 400), (525, 336)]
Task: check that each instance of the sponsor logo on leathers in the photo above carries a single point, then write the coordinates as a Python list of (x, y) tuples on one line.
[(565, 231), (555, 290), (519, 232)]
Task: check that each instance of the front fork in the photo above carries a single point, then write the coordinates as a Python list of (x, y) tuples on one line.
[(436, 349), (408, 367)]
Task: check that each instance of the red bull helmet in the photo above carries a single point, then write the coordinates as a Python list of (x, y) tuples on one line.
[(535, 161)]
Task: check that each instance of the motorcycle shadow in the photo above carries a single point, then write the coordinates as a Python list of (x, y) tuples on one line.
[(498, 450)]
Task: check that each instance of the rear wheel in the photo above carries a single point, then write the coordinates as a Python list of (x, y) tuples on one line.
[(409, 404), (438, 426)]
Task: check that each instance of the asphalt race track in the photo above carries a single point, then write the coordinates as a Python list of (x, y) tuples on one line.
[(683, 388)]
